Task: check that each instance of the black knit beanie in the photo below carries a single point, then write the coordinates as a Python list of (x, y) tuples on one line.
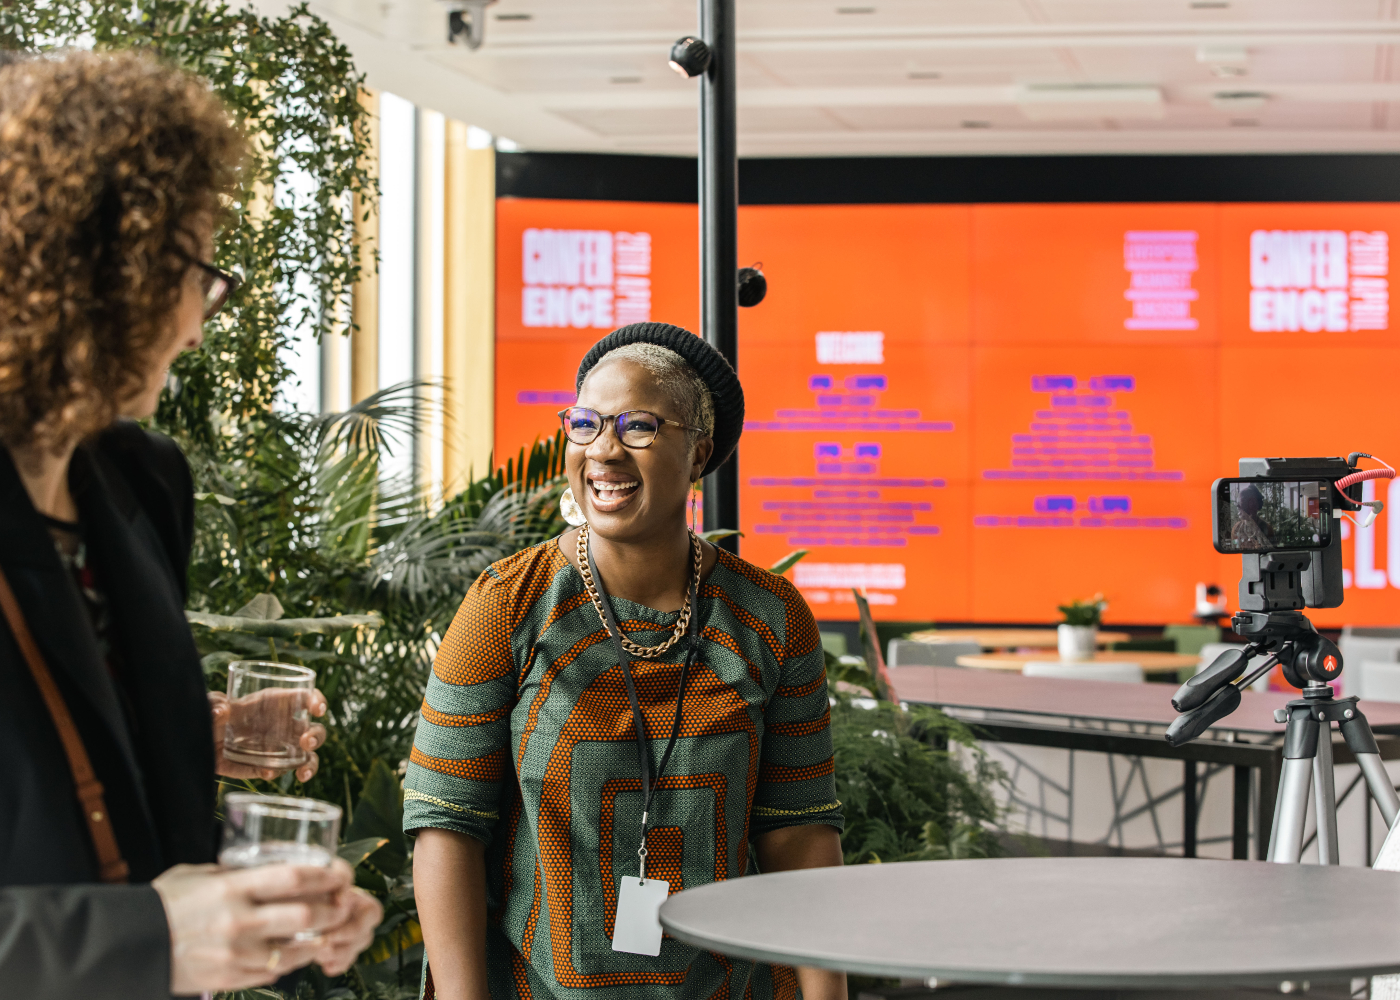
[(709, 364)]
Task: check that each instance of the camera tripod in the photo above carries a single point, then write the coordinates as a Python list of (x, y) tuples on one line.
[(1309, 661)]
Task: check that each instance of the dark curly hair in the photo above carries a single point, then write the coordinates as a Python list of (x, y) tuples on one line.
[(110, 165)]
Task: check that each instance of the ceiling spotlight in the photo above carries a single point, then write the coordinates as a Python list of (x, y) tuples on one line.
[(753, 286), (690, 56), (466, 20)]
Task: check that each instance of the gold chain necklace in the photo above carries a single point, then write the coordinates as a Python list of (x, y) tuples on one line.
[(591, 588)]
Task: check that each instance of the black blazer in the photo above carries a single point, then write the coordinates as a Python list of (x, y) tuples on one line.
[(149, 738)]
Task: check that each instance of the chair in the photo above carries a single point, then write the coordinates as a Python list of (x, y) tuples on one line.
[(1358, 644), (1378, 680), (907, 653), (1099, 670), (1190, 638)]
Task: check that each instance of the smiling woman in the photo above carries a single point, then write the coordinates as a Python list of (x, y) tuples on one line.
[(618, 714)]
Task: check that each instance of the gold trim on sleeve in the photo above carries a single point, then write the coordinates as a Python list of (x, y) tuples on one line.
[(765, 811), (411, 795)]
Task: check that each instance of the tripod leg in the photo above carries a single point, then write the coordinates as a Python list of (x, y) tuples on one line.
[(1362, 743), (1378, 781), (1290, 813), (1286, 844), (1325, 797)]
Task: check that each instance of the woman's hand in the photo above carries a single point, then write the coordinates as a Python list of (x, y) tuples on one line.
[(312, 736), (233, 930)]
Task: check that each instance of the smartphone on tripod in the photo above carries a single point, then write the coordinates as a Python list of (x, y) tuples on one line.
[(1279, 517)]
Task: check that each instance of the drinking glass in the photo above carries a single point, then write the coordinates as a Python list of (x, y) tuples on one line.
[(275, 829), (278, 829), (268, 712)]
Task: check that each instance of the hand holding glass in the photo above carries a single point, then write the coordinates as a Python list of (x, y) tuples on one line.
[(268, 712), (274, 829)]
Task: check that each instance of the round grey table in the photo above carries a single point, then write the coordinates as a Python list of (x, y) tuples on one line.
[(1063, 922)]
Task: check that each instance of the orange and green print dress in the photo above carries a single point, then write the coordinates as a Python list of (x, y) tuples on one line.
[(527, 743)]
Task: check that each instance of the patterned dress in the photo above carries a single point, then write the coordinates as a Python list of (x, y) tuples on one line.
[(527, 743)]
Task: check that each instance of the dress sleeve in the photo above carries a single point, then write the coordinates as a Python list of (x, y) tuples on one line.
[(796, 776), (460, 757)]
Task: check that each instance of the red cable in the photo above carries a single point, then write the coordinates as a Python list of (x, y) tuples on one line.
[(1363, 475)]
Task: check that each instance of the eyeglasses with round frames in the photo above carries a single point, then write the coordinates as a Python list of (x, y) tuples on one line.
[(218, 285), (635, 428)]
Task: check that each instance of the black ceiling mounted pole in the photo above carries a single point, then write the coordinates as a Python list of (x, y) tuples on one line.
[(719, 234)]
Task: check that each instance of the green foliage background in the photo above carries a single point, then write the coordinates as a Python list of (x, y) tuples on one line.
[(297, 505)]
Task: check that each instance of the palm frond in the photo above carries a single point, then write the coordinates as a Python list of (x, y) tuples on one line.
[(435, 556), (378, 423)]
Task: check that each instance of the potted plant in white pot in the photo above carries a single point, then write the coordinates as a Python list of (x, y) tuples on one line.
[(1079, 633)]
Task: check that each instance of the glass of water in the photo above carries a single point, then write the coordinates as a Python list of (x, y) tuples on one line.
[(278, 829), (268, 713), (275, 829)]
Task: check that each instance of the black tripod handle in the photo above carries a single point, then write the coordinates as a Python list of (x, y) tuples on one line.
[(1187, 726), (1223, 669)]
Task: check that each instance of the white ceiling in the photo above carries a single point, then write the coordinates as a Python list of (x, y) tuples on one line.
[(877, 77)]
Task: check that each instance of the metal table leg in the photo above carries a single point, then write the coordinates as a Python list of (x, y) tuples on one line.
[(1241, 814), (1188, 809)]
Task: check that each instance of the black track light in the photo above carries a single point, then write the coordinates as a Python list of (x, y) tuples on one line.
[(753, 286), (690, 56)]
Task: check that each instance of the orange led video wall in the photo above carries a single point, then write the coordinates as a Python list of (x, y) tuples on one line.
[(979, 412)]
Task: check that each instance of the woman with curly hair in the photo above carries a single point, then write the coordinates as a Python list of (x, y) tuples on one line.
[(113, 172)]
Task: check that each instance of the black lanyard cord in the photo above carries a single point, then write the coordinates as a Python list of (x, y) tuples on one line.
[(643, 754)]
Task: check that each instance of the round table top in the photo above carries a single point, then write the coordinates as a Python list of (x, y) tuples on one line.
[(1152, 663), (1007, 638), (1085, 922)]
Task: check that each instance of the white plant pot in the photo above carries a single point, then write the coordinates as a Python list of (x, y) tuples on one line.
[(1077, 642)]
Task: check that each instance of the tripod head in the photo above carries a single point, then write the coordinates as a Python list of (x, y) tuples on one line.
[(1279, 502), (1285, 638)]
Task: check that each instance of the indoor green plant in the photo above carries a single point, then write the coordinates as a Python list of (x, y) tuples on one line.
[(1079, 632)]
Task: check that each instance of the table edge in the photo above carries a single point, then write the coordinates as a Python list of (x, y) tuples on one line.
[(1085, 980), (1324, 969)]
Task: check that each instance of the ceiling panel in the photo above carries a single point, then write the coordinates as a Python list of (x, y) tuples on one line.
[(644, 122), (900, 76)]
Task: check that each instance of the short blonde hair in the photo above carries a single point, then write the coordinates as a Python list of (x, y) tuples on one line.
[(680, 382)]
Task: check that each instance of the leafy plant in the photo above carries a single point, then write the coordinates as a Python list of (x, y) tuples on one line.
[(386, 869), (1085, 612), (788, 561), (371, 572), (914, 784)]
